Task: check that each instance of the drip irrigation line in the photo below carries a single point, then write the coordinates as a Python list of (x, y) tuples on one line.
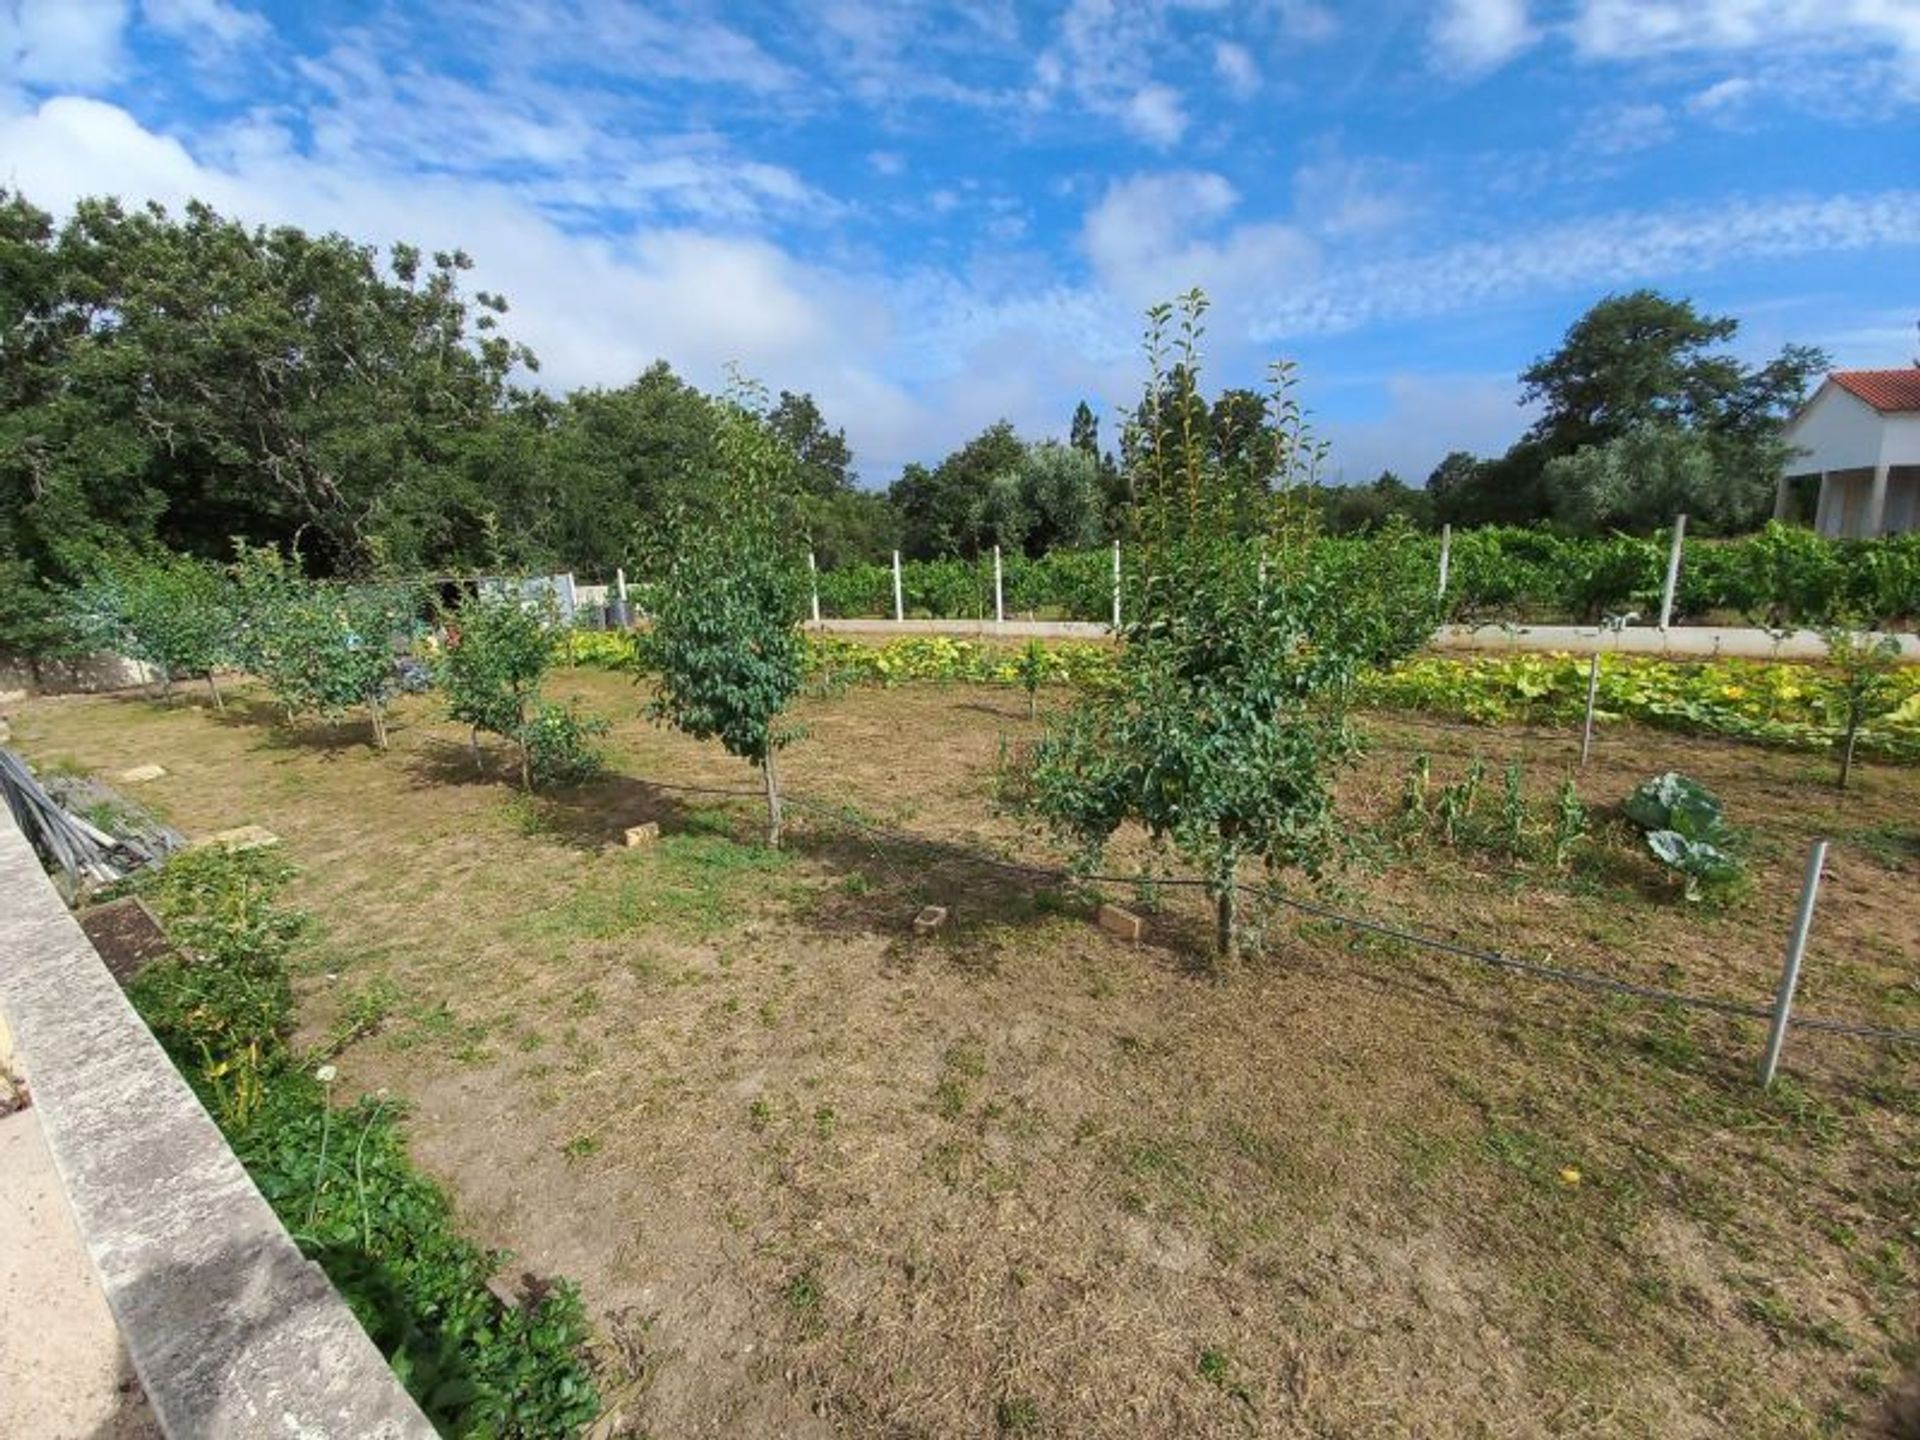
[(1539, 970)]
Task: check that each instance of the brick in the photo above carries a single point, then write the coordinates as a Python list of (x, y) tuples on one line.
[(644, 834), (1123, 923), (930, 919)]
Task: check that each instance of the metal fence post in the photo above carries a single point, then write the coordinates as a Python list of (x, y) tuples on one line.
[(1593, 691), (1673, 570), (1116, 584), (813, 584), (899, 605), (1790, 973), (999, 605), (1446, 557)]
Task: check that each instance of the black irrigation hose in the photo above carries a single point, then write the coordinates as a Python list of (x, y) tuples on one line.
[(1584, 979)]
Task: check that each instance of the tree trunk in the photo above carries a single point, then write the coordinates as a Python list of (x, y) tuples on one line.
[(773, 799), (379, 722), (526, 768), (473, 743), (1846, 753), (166, 683), (219, 703), (1227, 916)]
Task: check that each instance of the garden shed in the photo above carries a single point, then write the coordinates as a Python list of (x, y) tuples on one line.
[(1859, 439)]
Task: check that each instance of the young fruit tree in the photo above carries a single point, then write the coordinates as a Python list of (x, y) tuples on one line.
[(498, 648), (173, 612), (731, 595), (321, 648), (1228, 719), (1866, 684)]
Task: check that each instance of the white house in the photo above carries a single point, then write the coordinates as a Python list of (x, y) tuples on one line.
[(1859, 436)]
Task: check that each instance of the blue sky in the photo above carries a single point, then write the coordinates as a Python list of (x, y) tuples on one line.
[(935, 217)]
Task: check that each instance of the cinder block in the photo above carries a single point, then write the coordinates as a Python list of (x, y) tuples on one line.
[(1123, 923), (930, 919), (643, 834)]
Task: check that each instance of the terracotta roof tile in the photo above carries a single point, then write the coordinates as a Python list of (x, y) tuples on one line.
[(1885, 390)]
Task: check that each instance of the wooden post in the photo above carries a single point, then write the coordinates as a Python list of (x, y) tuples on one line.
[(899, 604), (1116, 584), (999, 603), (1673, 570), (813, 584), (1790, 973), (1446, 557)]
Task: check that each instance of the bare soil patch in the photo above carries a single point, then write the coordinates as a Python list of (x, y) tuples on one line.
[(819, 1175)]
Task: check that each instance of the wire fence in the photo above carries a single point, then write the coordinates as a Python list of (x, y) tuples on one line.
[(1407, 934)]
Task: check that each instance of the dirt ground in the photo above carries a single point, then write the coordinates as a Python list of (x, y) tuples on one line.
[(820, 1176)]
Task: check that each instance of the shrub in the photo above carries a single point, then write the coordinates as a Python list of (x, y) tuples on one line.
[(173, 612)]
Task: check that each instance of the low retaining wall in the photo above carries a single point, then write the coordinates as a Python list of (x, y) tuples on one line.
[(79, 675), (1680, 642), (232, 1330)]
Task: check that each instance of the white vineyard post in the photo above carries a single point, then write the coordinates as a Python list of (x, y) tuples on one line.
[(1790, 973), (1673, 570)]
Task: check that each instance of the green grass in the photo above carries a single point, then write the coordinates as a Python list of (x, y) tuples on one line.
[(691, 886)]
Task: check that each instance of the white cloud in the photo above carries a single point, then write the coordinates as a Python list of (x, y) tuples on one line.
[(1234, 65), (1426, 417), (1154, 236), (1337, 196), (223, 25), (61, 43), (1631, 29), (1722, 98), (1471, 37), (887, 162), (1156, 115), (1627, 128), (1590, 254)]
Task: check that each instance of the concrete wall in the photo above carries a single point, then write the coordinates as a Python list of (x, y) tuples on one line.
[(83, 675), (234, 1333)]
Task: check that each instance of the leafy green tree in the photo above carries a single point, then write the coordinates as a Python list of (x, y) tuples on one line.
[(1641, 479), (943, 511), (730, 598), (172, 612), (1227, 720), (1638, 364), (1059, 488), (824, 460), (497, 650), (1867, 667), (321, 648), (1345, 509)]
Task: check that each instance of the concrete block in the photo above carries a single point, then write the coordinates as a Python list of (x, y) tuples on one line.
[(241, 837), (1123, 923), (930, 919), (140, 773), (645, 834)]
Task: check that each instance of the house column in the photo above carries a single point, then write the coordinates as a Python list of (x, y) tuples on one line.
[(1822, 506), (1782, 488), (1877, 501)]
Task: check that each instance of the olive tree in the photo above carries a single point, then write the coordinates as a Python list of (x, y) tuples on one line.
[(1228, 720), (731, 594)]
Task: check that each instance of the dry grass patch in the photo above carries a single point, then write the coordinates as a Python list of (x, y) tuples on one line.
[(820, 1176)]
